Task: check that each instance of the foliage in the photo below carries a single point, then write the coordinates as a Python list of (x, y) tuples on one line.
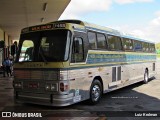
[(158, 50)]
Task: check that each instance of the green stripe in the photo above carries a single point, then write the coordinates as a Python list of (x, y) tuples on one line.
[(80, 66)]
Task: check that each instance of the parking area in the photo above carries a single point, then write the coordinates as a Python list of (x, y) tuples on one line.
[(129, 102)]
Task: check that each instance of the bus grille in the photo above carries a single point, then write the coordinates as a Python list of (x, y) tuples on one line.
[(30, 74)]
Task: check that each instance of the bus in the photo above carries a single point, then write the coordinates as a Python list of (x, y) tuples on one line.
[(64, 62)]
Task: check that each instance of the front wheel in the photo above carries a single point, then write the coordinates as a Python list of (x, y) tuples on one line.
[(95, 92)]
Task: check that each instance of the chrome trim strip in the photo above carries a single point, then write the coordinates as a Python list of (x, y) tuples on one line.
[(33, 97)]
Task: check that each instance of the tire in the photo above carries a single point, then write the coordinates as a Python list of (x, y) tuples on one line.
[(95, 92), (146, 77)]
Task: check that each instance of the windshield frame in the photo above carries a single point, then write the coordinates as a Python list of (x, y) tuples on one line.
[(37, 44)]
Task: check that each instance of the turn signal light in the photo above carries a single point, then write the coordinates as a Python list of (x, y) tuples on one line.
[(63, 87)]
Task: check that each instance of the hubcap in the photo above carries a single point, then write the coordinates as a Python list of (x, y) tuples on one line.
[(95, 92)]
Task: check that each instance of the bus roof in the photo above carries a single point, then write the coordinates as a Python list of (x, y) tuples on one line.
[(99, 28), (103, 29)]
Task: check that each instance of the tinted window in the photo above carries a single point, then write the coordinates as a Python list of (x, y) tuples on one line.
[(47, 46), (92, 40), (137, 45), (145, 46), (77, 50), (114, 42), (127, 44), (151, 47), (101, 41)]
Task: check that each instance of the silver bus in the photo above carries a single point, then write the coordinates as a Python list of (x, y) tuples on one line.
[(68, 61)]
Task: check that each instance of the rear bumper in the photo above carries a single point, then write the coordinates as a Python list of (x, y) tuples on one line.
[(43, 99)]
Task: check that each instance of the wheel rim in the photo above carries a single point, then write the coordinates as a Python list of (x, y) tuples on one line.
[(96, 92)]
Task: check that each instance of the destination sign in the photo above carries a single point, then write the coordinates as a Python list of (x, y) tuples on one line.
[(44, 27)]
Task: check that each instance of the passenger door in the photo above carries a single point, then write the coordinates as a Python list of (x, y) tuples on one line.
[(77, 71)]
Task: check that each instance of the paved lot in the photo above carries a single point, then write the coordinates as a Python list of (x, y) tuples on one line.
[(126, 102)]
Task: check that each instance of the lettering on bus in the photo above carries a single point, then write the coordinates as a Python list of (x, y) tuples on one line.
[(33, 65), (101, 56), (37, 28), (43, 27)]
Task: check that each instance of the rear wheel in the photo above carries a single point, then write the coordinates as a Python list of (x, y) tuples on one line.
[(146, 77), (95, 92)]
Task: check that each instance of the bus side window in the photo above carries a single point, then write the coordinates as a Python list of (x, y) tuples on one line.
[(101, 41), (77, 50), (127, 44), (151, 48), (114, 43), (145, 46), (92, 40), (137, 45)]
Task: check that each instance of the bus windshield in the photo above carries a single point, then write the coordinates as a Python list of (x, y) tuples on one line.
[(44, 46)]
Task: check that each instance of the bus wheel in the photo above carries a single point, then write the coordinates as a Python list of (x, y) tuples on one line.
[(95, 92), (146, 77)]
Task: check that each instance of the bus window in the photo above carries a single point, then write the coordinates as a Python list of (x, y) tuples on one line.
[(151, 47), (145, 47), (127, 44), (114, 43), (92, 40), (101, 41), (77, 50), (26, 51), (137, 45)]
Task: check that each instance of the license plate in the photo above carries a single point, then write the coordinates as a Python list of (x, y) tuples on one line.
[(77, 98)]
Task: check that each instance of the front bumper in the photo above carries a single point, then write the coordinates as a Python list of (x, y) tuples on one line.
[(44, 99)]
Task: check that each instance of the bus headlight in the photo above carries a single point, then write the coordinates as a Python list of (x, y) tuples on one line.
[(51, 87), (17, 85), (47, 87)]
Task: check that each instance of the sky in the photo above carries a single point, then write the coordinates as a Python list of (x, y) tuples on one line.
[(140, 18)]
